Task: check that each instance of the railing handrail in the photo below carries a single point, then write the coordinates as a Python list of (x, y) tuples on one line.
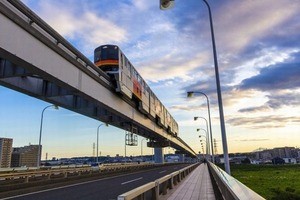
[(230, 187), (167, 180)]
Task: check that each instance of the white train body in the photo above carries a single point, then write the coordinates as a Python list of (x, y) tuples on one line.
[(128, 82)]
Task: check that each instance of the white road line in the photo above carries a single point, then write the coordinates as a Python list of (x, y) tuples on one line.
[(162, 171), (47, 190), (131, 181)]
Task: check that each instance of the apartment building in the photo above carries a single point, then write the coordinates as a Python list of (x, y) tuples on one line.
[(5, 152)]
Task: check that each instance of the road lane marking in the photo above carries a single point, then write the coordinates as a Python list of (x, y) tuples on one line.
[(131, 181), (62, 187), (72, 185), (162, 171)]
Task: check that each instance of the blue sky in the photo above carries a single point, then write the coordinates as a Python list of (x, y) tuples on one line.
[(259, 56)]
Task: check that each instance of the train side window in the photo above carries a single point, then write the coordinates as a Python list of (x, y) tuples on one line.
[(121, 60), (135, 74), (129, 70)]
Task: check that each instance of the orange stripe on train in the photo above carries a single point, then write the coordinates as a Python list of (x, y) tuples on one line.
[(107, 62)]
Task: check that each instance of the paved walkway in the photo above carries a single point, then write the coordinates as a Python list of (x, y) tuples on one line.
[(196, 186)]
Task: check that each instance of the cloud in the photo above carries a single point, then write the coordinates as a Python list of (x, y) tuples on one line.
[(280, 76), (252, 140), (81, 24), (247, 42), (171, 66), (280, 99), (263, 108), (263, 122), (186, 108), (276, 100), (268, 18)]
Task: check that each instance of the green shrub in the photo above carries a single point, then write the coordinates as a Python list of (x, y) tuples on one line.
[(287, 194)]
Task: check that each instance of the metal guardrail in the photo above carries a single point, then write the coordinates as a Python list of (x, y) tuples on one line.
[(155, 189), (22, 169), (229, 187), (26, 174)]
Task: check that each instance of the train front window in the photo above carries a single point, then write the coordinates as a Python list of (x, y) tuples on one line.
[(97, 56), (106, 53), (109, 53)]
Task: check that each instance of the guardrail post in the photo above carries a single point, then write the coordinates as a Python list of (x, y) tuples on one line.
[(164, 187), (26, 179), (66, 174), (179, 177), (175, 180), (171, 182), (155, 194), (49, 176)]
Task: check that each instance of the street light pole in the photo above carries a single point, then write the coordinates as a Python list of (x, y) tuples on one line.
[(166, 4), (189, 94), (207, 136), (40, 137), (125, 147), (98, 140), (222, 121), (198, 129)]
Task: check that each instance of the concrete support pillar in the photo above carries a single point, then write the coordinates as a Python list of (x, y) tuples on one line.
[(158, 155), (181, 157)]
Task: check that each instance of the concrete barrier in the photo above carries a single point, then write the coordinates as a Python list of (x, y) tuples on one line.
[(28, 174)]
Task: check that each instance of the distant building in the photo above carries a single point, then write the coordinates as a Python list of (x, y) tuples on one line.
[(264, 155), (172, 158), (5, 152), (290, 160), (25, 156), (280, 152), (283, 152)]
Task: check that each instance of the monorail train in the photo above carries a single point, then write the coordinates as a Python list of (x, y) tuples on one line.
[(129, 83)]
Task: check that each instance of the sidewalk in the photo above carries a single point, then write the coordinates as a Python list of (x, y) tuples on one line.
[(196, 186)]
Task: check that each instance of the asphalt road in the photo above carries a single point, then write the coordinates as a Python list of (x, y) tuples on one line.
[(101, 189)]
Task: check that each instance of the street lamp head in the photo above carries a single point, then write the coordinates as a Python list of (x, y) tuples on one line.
[(195, 118), (166, 4), (190, 94), (198, 129)]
